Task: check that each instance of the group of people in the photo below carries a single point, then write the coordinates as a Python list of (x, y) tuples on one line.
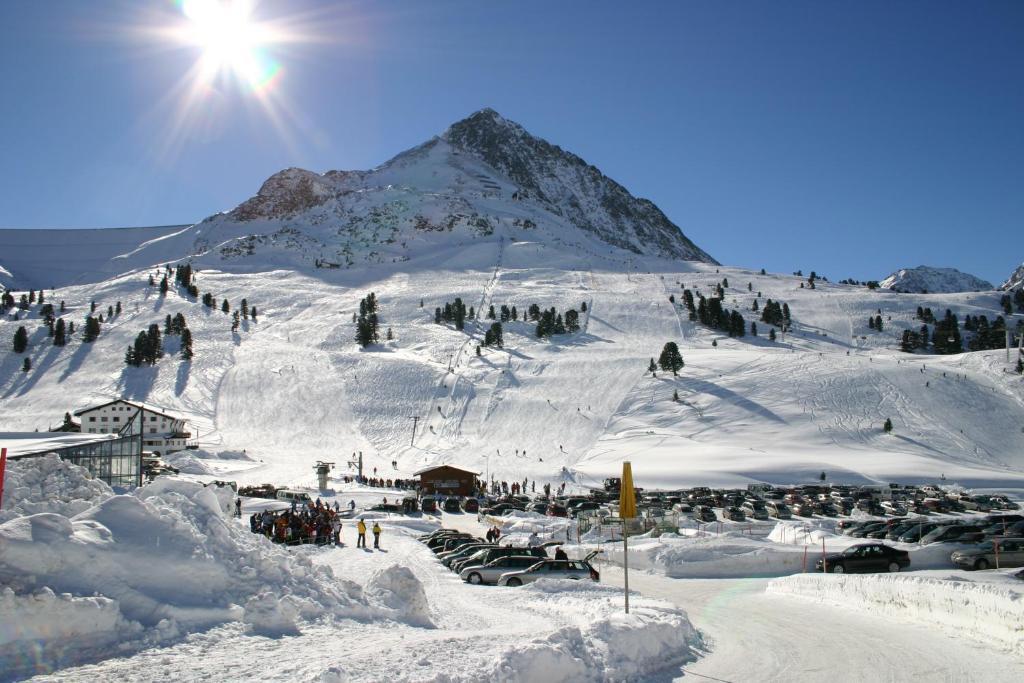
[(380, 482), (493, 534), (315, 523), (312, 523)]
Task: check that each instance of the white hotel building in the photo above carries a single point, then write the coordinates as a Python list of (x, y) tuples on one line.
[(162, 432)]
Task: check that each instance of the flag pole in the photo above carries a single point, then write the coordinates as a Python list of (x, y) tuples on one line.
[(3, 466), (625, 563), (627, 510)]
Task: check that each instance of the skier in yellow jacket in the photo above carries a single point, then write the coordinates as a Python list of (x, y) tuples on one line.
[(376, 535), (361, 540)]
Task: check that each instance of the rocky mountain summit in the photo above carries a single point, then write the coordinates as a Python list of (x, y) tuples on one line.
[(924, 279)]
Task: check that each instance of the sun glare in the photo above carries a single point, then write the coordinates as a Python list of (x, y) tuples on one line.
[(231, 42)]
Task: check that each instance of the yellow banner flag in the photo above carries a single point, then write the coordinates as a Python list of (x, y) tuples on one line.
[(627, 496)]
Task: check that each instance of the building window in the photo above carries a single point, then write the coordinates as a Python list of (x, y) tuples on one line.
[(152, 418), (92, 419), (117, 419), (103, 419), (152, 430), (103, 430), (92, 430)]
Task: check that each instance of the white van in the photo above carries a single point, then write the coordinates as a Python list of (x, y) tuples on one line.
[(297, 497)]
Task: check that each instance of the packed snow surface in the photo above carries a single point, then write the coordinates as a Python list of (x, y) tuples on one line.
[(983, 606)]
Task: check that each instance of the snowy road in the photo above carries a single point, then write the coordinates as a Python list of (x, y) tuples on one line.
[(759, 637)]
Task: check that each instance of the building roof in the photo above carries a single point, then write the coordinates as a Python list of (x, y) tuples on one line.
[(27, 443), (138, 404), (438, 467)]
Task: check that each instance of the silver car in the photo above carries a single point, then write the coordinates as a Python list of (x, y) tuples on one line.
[(490, 573), (552, 569), (983, 556)]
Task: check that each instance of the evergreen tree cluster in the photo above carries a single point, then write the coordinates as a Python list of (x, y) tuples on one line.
[(20, 340), (946, 337), (493, 336), (367, 322), (452, 313), (925, 315), (711, 313), (550, 322), (175, 325), (875, 323), (185, 277), (985, 336), (775, 313), (913, 340), (92, 329), (147, 349)]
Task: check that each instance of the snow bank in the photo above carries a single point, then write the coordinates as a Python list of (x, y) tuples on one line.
[(48, 484), (988, 611), (187, 463), (710, 557), (606, 645), (163, 561), (398, 589)]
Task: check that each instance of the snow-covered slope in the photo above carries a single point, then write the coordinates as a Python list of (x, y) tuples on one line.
[(928, 279), (294, 387), (1016, 279), (33, 259)]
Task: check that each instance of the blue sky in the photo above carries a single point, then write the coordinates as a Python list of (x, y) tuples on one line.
[(847, 138)]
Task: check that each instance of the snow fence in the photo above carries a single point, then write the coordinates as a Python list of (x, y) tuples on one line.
[(989, 611)]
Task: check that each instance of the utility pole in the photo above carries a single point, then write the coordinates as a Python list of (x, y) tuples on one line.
[(415, 421)]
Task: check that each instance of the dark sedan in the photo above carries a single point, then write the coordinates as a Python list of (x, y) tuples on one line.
[(870, 557)]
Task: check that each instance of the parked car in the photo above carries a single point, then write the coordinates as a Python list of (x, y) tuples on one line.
[(951, 533), (703, 513), (552, 569), (755, 509), (451, 504), (438, 542), (915, 533), (1005, 529), (463, 551), (489, 573), (779, 510), (485, 555), (557, 510), (428, 504), (865, 529), (869, 557), (471, 505), (1001, 552), (734, 514)]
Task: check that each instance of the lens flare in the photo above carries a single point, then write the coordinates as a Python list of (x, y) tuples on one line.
[(231, 42)]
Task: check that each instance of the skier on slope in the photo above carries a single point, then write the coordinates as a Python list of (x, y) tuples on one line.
[(376, 536), (361, 537)]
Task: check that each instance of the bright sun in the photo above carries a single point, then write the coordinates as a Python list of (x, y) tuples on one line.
[(232, 43)]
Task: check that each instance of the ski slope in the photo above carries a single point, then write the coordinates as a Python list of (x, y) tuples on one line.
[(293, 387)]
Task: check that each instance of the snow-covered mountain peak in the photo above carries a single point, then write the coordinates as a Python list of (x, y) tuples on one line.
[(287, 192), (936, 280), (1016, 279)]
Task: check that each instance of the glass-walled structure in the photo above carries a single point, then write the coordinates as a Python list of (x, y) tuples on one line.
[(116, 461)]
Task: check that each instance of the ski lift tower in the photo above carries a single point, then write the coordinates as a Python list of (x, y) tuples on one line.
[(322, 469)]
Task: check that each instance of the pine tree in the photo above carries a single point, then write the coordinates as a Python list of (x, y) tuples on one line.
[(493, 336), (92, 329), (887, 427), (675, 396), (753, 329), (26, 365), (670, 359), (186, 344), (252, 313), (490, 312), (31, 296), (878, 323), (390, 336), (235, 321), (154, 348), (208, 300), (506, 313), (245, 309), (151, 283), (1020, 366), (515, 313), (40, 297), (62, 306), (583, 307), (478, 352), (168, 329), (92, 307), (651, 367), (572, 321), (437, 315), (771, 334), (60, 333), (164, 286), (225, 307), (20, 340)]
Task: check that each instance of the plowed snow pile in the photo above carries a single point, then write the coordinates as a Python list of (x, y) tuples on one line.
[(989, 608), (165, 572)]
